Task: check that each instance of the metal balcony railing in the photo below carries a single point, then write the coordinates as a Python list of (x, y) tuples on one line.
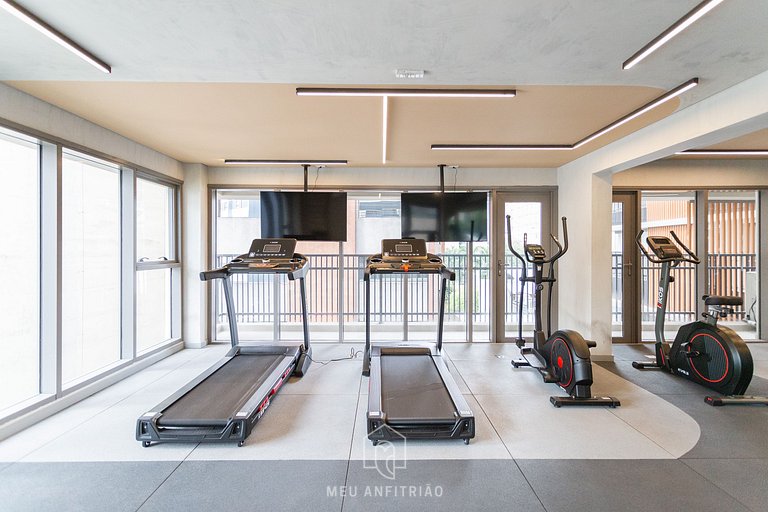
[(726, 275), (336, 292)]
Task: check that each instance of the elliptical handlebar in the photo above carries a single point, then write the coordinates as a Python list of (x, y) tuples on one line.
[(509, 242), (691, 258), (561, 248)]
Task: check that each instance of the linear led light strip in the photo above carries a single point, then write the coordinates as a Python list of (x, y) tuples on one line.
[(35, 22), (680, 25), (413, 93), (677, 91), (724, 152), (284, 162)]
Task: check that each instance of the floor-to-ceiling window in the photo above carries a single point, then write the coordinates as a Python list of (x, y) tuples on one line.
[(90, 265), (20, 259), (72, 224), (402, 308), (732, 236)]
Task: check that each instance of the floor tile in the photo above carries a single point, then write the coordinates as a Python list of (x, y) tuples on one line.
[(481, 351), (657, 419), (638, 485), (293, 427), (497, 377), (726, 432), (250, 485), (110, 436), (336, 378), (761, 368), (461, 484), (531, 428), (485, 445), (83, 486), (744, 479)]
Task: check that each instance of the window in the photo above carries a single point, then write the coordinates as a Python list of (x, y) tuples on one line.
[(156, 256), (90, 266), (20, 259), (268, 308)]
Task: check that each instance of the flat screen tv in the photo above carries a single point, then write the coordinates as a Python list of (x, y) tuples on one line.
[(448, 217), (320, 216)]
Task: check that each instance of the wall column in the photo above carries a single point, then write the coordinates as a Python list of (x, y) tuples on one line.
[(194, 216), (584, 273)]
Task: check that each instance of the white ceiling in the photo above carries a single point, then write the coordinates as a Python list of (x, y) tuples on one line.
[(515, 43)]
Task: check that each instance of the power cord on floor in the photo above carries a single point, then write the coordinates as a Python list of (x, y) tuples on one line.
[(352, 355)]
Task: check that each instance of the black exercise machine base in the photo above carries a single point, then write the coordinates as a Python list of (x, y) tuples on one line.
[(561, 401), (643, 365), (717, 401)]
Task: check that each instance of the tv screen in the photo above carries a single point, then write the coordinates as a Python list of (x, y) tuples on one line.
[(449, 217), (320, 216)]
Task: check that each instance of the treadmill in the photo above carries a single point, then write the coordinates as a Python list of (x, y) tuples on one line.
[(225, 402), (411, 393)]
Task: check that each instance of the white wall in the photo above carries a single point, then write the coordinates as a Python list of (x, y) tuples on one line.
[(381, 177), (28, 111), (194, 218), (695, 173)]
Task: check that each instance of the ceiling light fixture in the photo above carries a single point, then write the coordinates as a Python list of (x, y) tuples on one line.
[(724, 152), (677, 91), (284, 162), (40, 25), (384, 120), (500, 147), (429, 93), (680, 25)]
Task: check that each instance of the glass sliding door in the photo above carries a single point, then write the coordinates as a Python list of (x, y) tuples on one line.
[(529, 217), (20, 259), (90, 266)]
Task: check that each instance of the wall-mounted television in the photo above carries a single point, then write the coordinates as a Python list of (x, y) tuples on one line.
[(320, 216), (445, 217)]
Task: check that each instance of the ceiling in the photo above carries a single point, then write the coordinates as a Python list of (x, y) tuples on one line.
[(206, 80)]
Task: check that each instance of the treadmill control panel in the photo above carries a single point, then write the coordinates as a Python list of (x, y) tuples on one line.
[(272, 248), (664, 248), (270, 255), (405, 255), (399, 249)]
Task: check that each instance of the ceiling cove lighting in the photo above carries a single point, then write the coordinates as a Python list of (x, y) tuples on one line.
[(413, 93), (40, 25), (677, 91), (724, 152), (252, 161), (677, 27)]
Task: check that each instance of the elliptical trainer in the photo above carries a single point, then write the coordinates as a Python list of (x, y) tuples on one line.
[(704, 352), (561, 357)]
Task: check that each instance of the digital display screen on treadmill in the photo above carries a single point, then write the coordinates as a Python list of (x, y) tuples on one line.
[(272, 248), (408, 248)]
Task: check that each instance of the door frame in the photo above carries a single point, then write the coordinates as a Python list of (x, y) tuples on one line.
[(630, 270), (548, 198)]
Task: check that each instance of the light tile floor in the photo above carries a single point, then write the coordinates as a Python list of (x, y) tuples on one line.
[(316, 425)]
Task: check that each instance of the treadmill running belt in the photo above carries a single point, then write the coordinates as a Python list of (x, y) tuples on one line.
[(221, 395), (412, 389)]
